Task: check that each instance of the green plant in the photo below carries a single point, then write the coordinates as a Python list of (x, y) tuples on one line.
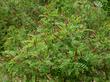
[(54, 40)]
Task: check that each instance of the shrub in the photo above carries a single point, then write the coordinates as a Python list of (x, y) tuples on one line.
[(61, 40)]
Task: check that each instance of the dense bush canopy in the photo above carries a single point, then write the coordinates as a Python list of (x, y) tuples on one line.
[(55, 40)]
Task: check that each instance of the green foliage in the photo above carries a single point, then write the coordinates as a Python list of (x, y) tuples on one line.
[(54, 40)]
